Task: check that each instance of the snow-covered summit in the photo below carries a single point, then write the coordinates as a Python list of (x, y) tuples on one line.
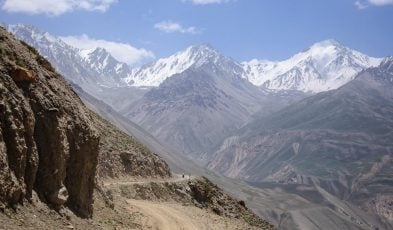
[(194, 56), (324, 66), (102, 61)]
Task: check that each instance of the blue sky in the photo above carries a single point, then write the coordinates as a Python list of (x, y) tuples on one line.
[(242, 29)]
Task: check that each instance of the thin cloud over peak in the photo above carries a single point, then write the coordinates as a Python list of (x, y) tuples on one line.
[(123, 52), (174, 27), (55, 8)]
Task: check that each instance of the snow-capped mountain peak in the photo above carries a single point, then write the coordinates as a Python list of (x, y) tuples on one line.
[(323, 66), (155, 73), (204, 53), (102, 61)]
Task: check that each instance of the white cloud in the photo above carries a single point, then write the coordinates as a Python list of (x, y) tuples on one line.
[(363, 4), (381, 2), (172, 27), (205, 2), (55, 7), (123, 52)]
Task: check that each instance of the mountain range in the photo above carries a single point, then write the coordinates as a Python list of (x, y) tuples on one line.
[(315, 127), (323, 66), (169, 97)]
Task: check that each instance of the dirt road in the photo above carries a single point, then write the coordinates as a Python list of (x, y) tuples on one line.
[(174, 178), (164, 216), (160, 215)]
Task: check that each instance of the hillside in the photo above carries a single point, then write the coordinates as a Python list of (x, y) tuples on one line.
[(57, 155)]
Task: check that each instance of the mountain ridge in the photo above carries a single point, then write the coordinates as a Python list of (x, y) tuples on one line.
[(323, 66)]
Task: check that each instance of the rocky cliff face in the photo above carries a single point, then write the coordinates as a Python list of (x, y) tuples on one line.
[(48, 143)]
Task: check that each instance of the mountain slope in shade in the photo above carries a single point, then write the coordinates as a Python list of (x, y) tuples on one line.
[(339, 140), (324, 66)]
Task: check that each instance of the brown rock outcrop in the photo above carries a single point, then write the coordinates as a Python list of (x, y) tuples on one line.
[(20, 74), (48, 142)]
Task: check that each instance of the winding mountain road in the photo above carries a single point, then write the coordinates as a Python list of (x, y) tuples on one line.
[(173, 179)]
